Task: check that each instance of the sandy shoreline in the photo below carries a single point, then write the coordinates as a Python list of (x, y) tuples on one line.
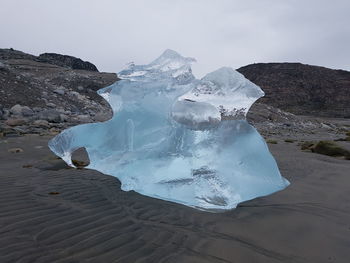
[(87, 218)]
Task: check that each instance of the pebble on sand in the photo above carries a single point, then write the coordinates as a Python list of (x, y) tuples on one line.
[(15, 150)]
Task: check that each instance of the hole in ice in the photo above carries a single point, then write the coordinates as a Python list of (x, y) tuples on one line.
[(195, 115)]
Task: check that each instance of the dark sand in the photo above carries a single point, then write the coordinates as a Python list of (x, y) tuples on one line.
[(90, 219)]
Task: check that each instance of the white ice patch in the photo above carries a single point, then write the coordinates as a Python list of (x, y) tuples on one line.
[(227, 90)]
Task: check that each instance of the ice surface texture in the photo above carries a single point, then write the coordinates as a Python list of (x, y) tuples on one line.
[(178, 138)]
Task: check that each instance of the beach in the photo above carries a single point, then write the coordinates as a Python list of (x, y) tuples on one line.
[(52, 213)]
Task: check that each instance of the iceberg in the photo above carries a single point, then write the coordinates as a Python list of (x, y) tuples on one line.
[(179, 138)]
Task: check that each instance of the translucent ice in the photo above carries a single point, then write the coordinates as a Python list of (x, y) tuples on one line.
[(178, 138)]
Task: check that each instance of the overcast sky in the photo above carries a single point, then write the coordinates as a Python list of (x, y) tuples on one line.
[(110, 33)]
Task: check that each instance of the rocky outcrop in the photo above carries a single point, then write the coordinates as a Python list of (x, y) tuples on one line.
[(66, 61), (302, 89), (10, 53)]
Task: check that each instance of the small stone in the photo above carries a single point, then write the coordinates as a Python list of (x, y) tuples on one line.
[(51, 105), (80, 158), (15, 150), (59, 91)]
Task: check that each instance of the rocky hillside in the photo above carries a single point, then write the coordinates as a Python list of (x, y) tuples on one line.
[(50, 58), (31, 89), (302, 89), (45, 96)]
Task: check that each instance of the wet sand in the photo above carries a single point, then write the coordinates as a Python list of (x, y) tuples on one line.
[(52, 213)]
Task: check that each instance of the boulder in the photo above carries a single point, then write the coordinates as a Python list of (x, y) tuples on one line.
[(16, 110), (21, 111), (27, 112), (50, 115), (16, 122)]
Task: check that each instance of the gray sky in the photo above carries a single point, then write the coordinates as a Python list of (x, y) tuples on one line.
[(216, 32)]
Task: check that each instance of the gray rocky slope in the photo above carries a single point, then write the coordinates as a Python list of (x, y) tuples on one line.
[(36, 93), (47, 95), (302, 89)]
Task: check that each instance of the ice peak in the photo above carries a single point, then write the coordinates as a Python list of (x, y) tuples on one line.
[(171, 60), (170, 53), (169, 64), (225, 77)]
